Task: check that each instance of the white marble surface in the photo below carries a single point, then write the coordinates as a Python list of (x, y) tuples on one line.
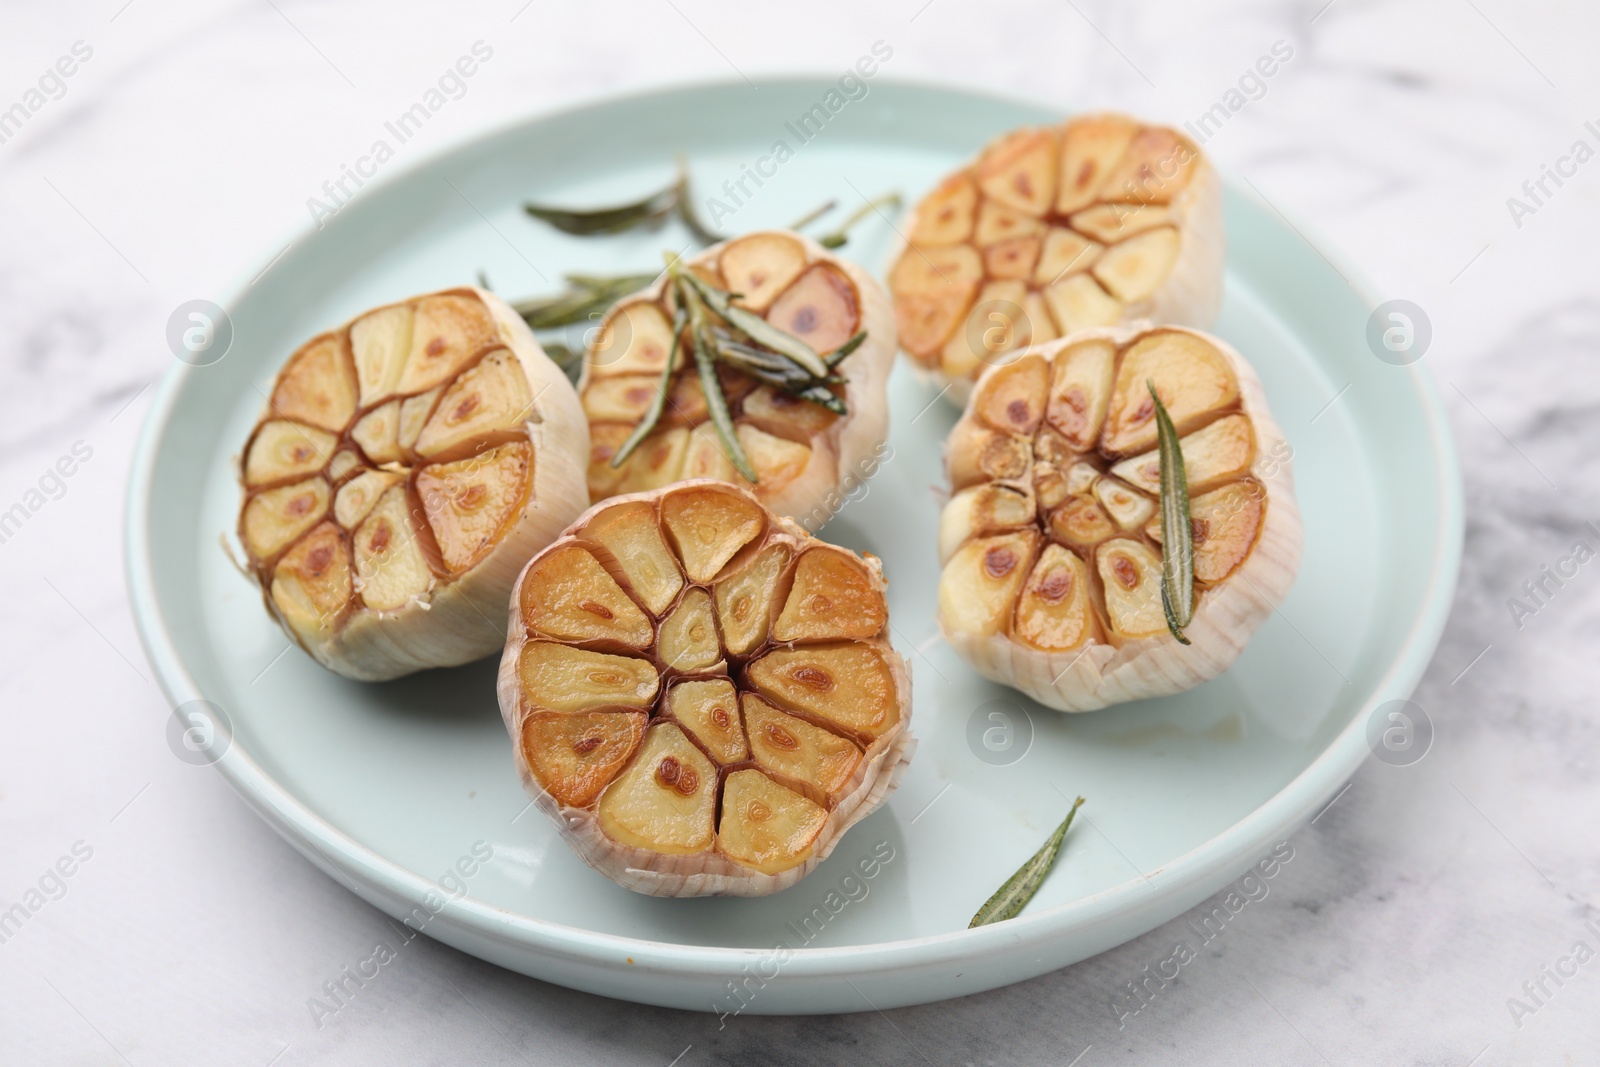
[(1414, 907)]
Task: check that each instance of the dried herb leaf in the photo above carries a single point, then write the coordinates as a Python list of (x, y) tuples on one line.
[(651, 211), (838, 237), (686, 210), (570, 362), (1177, 536), (834, 358), (587, 295), (658, 404), (813, 215), (704, 345), (1011, 898), (755, 327)]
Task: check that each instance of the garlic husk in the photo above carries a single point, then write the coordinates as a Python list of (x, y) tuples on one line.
[(883, 754), (1106, 670), (449, 615), (842, 453), (1188, 293)]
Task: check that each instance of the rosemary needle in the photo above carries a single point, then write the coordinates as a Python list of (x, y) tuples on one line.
[(1177, 535), (1009, 900)]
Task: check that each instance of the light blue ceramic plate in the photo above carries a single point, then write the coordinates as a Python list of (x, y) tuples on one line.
[(388, 786)]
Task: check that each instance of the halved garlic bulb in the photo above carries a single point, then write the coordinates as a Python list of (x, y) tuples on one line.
[(407, 466), (1051, 542), (1099, 222), (805, 456), (700, 695)]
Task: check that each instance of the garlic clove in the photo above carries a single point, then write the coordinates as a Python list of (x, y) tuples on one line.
[(979, 583), (1090, 148), (766, 827), (708, 710), (631, 534), (317, 387), (947, 213), (636, 339), (667, 800), (1055, 610), (1211, 455), (979, 510), (1192, 378), (569, 595), (557, 677), (1135, 268), (282, 449), (578, 755), (791, 749), (1020, 171), (1130, 574), (380, 341), (761, 266), (745, 599), (832, 598), (687, 640)]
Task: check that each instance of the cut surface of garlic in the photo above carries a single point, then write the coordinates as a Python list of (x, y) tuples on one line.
[(701, 696), (1098, 222), (406, 467), (1051, 541), (805, 456)]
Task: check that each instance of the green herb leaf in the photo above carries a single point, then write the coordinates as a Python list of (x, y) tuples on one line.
[(570, 362), (587, 295), (658, 404), (838, 237), (813, 215), (704, 345), (651, 211), (754, 326), (1020, 888), (834, 358), (1177, 536), (686, 209)]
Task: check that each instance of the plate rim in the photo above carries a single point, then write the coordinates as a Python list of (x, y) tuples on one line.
[(304, 829)]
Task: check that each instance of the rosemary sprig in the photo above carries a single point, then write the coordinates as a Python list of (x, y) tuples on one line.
[(686, 210), (706, 364), (570, 362), (834, 358), (837, 238), (1177, 536), (1009, 900), (813, 215), (755, 327), (652, 211), (585, 295), (663, 389)]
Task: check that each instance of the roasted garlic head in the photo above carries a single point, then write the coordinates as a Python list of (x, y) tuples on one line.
[(699, 694), (1098, 222), (805, 457), (406, 467), (1051, 542)]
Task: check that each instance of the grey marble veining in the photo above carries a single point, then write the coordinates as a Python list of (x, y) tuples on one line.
[(1412, 910)]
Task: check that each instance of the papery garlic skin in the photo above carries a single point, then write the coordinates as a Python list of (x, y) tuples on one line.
[(1242, 472), (805, 457), (417, 417), (641, 756), (1100, 221)]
